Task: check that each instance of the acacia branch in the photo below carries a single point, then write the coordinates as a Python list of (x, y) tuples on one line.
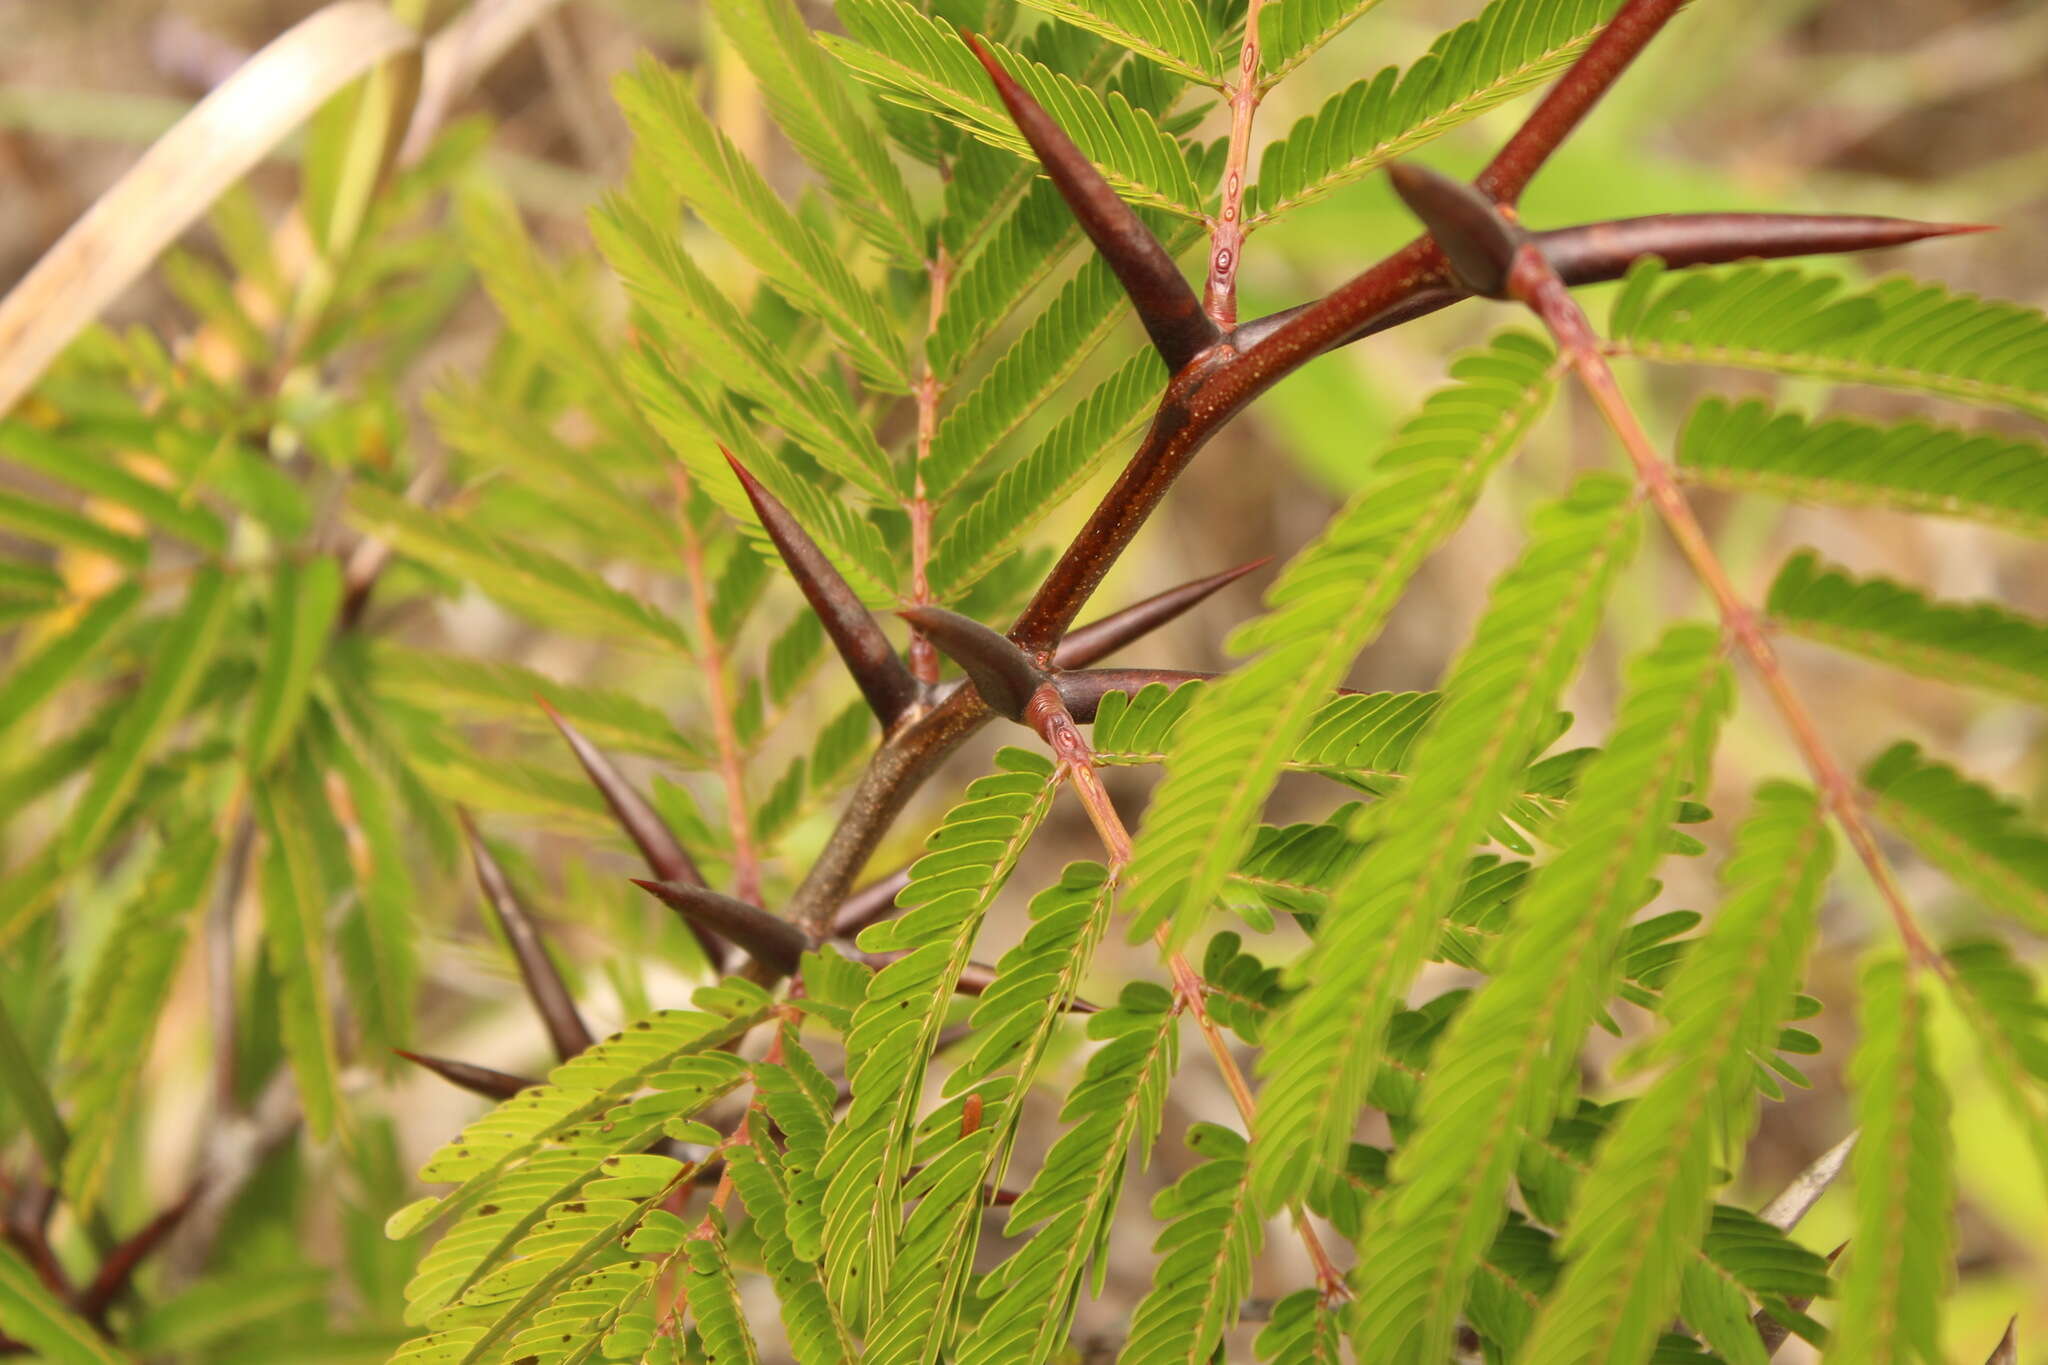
[(1226, 233), (1493, 256)]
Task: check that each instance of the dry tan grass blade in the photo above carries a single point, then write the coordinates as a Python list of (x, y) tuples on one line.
[(188, 168), (460, 53)]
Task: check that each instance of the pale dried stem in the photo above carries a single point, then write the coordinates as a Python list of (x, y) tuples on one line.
[(1536, 284), (1226, 233), (1049, 717), (746, 860)]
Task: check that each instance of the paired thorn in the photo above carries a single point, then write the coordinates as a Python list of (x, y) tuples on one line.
[(1001, 672), (1085, 645), (771, 940), (1166, 302), (1470, 229), (477, 1080), (663, 852), (873, 661), (544, 985)]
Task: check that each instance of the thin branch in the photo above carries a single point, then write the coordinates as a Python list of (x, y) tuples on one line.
[(1046, 715), (544, 985), (1165, 303), (659, 847), (891, 691), (1226, 233), (746, 860), (1533, 282), (1098, 639)]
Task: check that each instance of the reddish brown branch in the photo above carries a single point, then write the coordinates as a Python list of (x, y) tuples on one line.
[(1574, 95)]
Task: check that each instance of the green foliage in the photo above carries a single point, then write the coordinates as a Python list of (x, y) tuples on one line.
[(891, 1036), (922, 64), (283, 596), (1980, 644), (1511, 46), (1644, 1205), (1912, 467), (1498, 1074), (1964, 828), (1383, 917), (1330, 601), (1892, 1293), (1898, 333)]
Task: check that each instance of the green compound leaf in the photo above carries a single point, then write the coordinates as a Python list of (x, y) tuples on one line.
[(1912, 467), (1978, 643), (1898, 333), (1385, 915)]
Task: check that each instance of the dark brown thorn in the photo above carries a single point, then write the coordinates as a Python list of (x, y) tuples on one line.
[(544, 985), (1003, 674), (870, 905), (1771, 1332), (1477, 240), (1165, 301), (1593, 253), (1082, 692), (1573, 96), (1604, 251), (1085, 644), (873, 661), (664, 854), (118, 1268), (477, 1080), (2007, 1351), (771, 940)]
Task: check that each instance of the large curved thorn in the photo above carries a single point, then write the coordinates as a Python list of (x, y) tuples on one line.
[(664, 854), (868, 655), (1084, 645), (544, 985), (1475, 237), (772, 940), (1003, 674), (477, 1080), (1165, 301), (1592, 253)]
